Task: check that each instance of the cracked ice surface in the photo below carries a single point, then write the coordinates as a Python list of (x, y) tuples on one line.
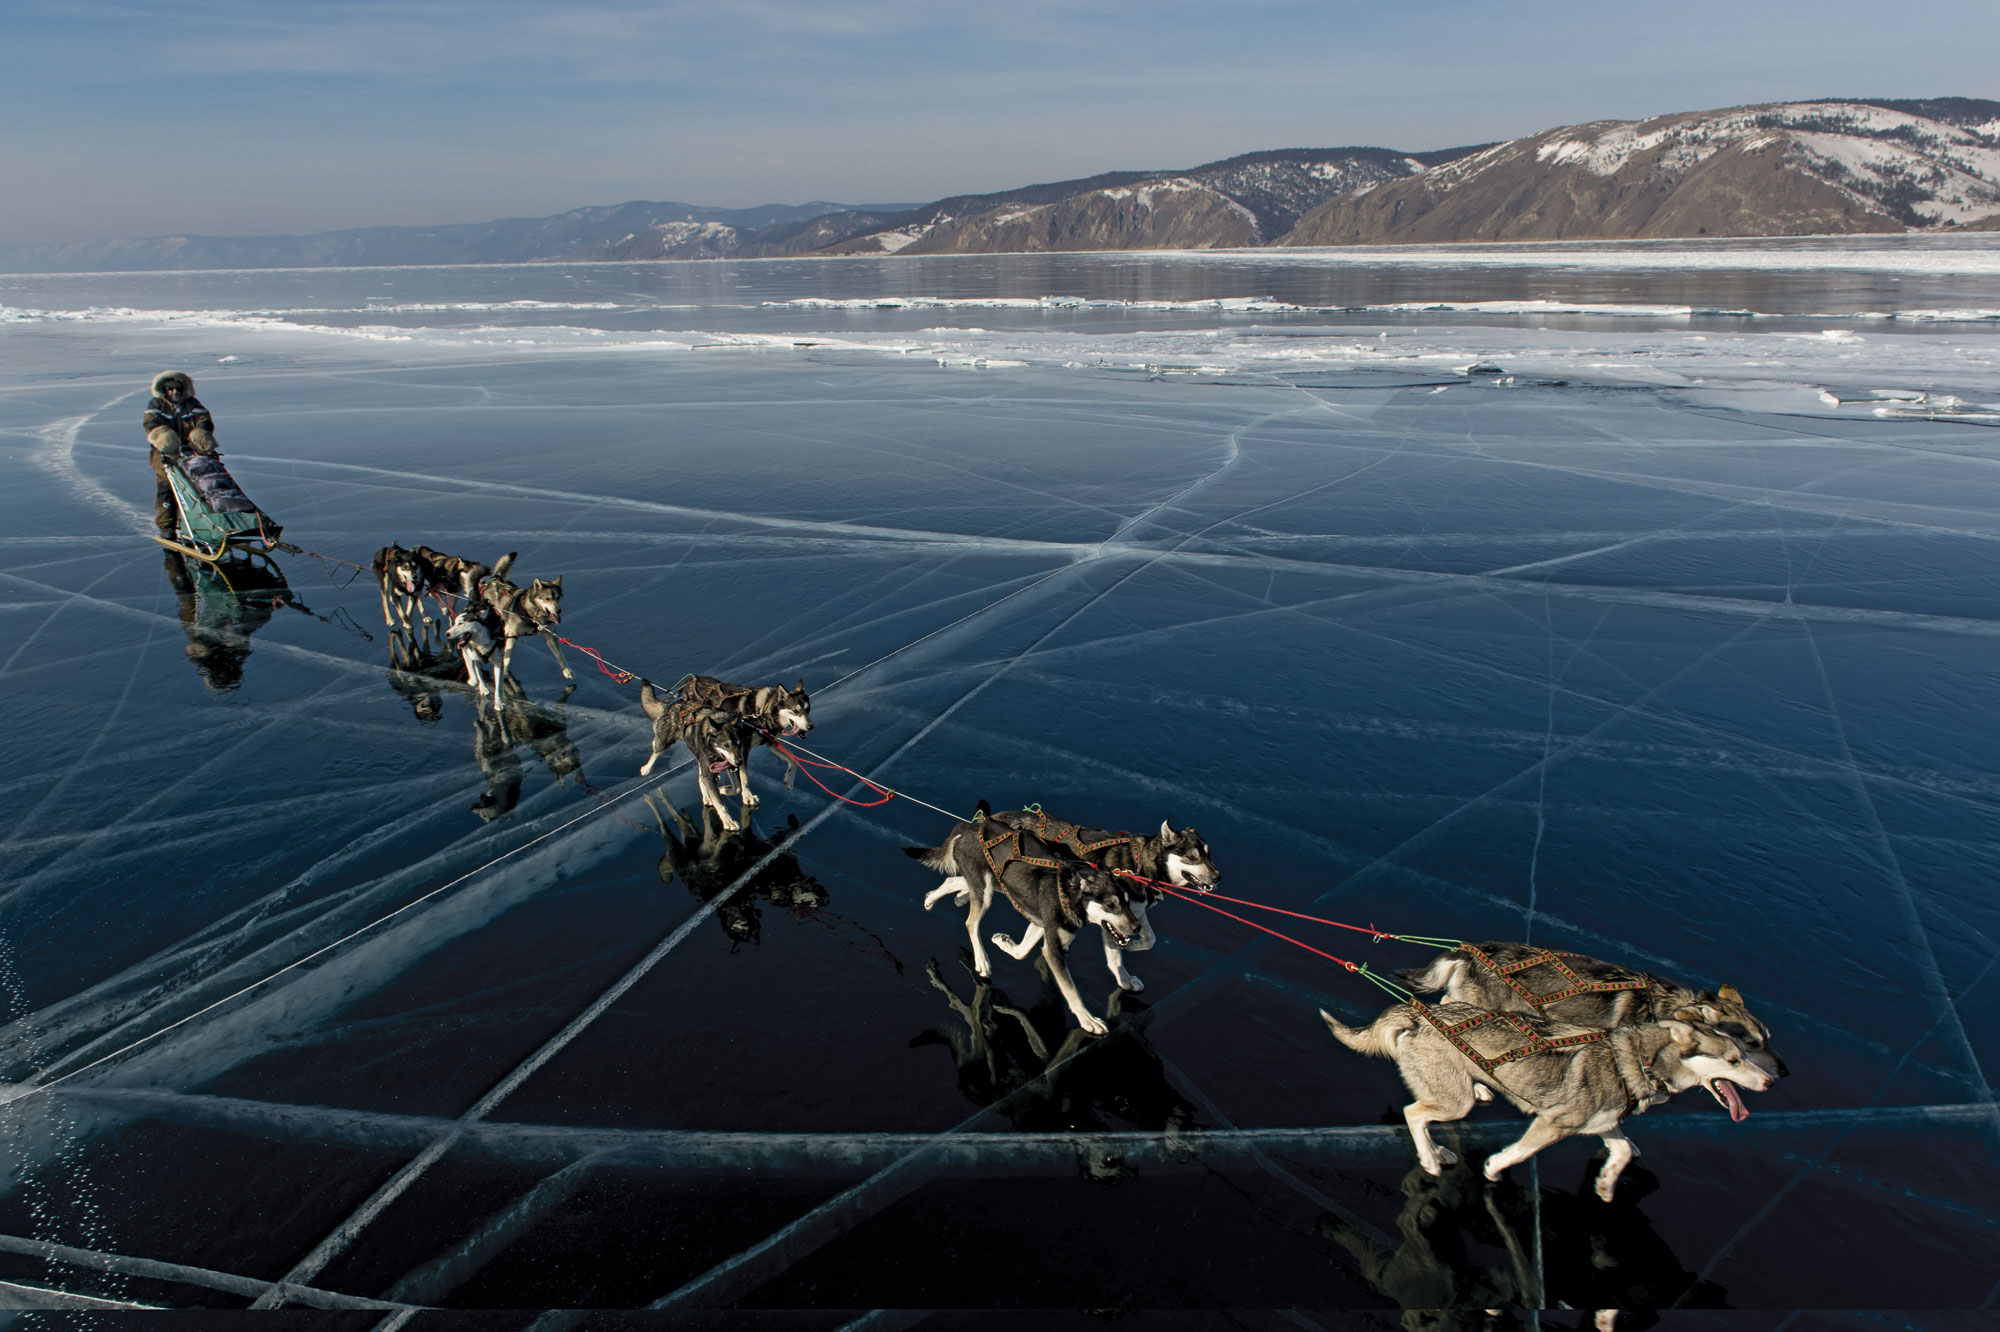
[(1659, 644)]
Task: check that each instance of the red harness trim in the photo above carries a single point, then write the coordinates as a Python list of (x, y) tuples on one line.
[(1537, 1043), (1544, 957)]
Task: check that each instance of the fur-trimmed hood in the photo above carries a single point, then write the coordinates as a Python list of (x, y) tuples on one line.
[(165, 377)]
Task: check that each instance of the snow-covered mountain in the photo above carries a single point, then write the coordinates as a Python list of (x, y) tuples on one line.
[(1795, 168), (1247, 200), (1777, 169)]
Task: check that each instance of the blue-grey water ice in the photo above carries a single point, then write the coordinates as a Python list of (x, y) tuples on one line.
[(1630, 600)]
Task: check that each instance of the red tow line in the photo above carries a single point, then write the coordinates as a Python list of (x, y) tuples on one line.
[(806, 766), (617, 673)]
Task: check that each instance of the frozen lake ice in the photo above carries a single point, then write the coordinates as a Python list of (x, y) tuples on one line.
[(1511, 594)]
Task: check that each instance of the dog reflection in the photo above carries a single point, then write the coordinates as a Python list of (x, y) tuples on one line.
[(1461, 1262), (707, 860), (519, 725), (1466, 1255), (419, 669), (1018, 1060), (220, 608)]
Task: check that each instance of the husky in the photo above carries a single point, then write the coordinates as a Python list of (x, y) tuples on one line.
[(1503, 977), (772, 709), (524, 612), (1179, 858), (713, 737), (1581, 1080), (475, 632), (1058, 895), (403, 580), (406, 577)]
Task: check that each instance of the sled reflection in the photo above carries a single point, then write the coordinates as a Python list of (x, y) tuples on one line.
[(519, 728), (221, 606), (708, 860), (1466, 1253), (1016, 1058)]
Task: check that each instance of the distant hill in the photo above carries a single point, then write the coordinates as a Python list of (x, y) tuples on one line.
[(1781, 169), (621, 231), (1832, 166)]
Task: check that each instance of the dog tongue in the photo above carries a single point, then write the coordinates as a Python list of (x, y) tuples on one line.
[(1738, 1112), (718, 765)]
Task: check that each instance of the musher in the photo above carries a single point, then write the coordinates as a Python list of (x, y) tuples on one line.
[(174, 421)]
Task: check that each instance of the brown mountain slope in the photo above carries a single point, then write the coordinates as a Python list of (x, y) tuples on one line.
[(1774, 170), (1158, 215)]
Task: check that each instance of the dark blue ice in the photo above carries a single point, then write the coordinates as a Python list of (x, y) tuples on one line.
[(1698, 682)]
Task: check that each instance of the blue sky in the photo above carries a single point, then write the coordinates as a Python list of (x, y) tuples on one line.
[(250, 116)]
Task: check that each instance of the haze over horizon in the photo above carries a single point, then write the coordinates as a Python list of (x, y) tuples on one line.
[(227, 117)]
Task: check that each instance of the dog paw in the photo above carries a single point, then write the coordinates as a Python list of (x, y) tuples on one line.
[(1130, 983), (750, 801), (1493, 1174), (1092, 1024), (1482, 1093), (1605, 1188), (1005, 941), (728, 824), (1432, 1168), (568, 674)]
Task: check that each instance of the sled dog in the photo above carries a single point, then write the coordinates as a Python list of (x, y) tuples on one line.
[(713, 737), (1058, 895), (1569, 987), (1571, 1079), (1179, 858)]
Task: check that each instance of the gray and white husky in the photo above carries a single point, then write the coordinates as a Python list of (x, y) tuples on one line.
[(1478, 974), (713, 737), (1583, 1088), (1058, 902), (765, 710), (524, 611), (1179, 858)]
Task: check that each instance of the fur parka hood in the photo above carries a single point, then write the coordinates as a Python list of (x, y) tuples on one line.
[(166, 377)]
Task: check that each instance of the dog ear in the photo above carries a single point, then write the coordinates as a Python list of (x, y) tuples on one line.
[(1683, 1034), (1729, 994), (1166, 830), (801, 686), (556, 581)]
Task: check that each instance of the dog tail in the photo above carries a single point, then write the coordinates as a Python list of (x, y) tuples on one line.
[(1439, 975), (504, 563), (938, 858), (1378, 1039), (650, 700), (984, 810)]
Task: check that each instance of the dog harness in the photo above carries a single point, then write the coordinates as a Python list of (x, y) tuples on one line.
[(998, 863), (1538, 1044), (1054, 831), (1510, 973)]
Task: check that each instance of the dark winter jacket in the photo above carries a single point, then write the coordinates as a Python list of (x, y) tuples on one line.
[(183, 417)]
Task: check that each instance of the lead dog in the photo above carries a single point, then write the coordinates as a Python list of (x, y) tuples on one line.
[(524, 612), (1179, 858), (764, 711), (1589, 1085), (713, 737), (1057, 895), (1519, 978)]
